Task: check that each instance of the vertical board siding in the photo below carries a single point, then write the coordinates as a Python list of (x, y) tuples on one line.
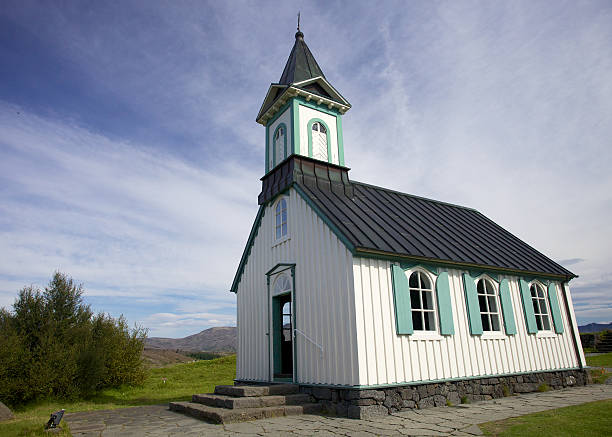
[(387, 358), (324, 307)]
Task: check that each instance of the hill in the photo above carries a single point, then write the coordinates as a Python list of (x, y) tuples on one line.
[(219, 339), (594, 327)]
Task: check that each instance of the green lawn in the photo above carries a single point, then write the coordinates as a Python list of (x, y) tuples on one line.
[(603, 360), (587, 420), (164, 384)]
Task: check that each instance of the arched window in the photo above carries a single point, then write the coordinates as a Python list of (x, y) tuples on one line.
[(422, 302), (540, 308), (319, 141), (280, 141), (282, 284), (489, 305), (281, 218)]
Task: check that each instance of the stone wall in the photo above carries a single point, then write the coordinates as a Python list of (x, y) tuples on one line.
[(364, 403)]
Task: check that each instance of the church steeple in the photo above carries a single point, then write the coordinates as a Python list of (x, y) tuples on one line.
[(302, 112)]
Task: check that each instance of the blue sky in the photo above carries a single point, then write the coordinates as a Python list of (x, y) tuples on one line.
[(130, 158)]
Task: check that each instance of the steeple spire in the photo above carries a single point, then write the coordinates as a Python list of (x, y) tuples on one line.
[(301, 64)]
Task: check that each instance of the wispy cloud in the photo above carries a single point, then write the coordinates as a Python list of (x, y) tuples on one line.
[(129, 157)]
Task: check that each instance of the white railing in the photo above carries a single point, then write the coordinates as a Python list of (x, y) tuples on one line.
[(309, 339)]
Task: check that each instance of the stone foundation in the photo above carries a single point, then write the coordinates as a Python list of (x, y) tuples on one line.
[(364, 403)]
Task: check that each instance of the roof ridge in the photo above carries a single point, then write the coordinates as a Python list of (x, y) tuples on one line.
[(414, 196)]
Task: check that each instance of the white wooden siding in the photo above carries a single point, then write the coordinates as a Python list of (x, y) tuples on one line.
[(324, 307), (387, 358)]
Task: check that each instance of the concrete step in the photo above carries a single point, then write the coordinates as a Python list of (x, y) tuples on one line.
[(232, 402), (225, 415), (256, 390)]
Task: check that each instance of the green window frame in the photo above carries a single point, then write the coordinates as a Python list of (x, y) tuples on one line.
[(309, 129)]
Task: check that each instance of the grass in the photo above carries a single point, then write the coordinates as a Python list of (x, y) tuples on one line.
[(587, 420), (603, 360), (165, 384)]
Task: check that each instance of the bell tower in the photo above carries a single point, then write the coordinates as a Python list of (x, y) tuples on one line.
[(302, 113)]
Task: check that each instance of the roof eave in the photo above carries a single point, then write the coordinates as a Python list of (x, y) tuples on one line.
[(293, 91), (473, 266)]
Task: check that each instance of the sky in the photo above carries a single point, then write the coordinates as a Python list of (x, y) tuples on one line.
[(130, 157)]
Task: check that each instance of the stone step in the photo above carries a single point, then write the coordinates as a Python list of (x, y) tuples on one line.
[(225, 415), (256, 390), (232, 402)]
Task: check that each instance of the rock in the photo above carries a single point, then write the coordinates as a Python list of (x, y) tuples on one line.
[(321, 393), (426, 403), (409, 404), (393, 400), (5, 413), (368, 412)]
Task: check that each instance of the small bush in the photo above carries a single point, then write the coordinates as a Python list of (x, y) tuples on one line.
[(465, 400), (543, 387), (505, 390), (52, 345), (204, 355)]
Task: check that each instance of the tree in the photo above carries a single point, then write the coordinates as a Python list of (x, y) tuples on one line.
[(52, 344)]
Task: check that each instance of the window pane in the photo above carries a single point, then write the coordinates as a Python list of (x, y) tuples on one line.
[(427, 300), (492, 304), (533, 290), (415, 301), (278, 232), (539, 322), (284, 216), (490, 289), (540, 292), (495, 322), (546, 322), (480, 287), (482, 302), (485, 322), (425, 282), (536, 307), (543, 307), (429, 321), (417, 323), (414, 280), (278, 219)]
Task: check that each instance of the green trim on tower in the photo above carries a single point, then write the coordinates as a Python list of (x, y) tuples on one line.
[(295, 132), (322, 108), (267, 149), (309, 127), (340, 139), (280, 112)]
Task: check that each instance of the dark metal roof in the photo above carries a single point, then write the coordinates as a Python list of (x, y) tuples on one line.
[(301, 64), (379, 221)]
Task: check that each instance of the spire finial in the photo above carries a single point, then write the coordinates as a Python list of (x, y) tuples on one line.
[(299, 34)]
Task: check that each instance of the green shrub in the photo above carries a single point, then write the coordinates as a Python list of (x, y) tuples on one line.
[(465, 400), (543, 387), (505, 390), (204, 355), (52, 345)]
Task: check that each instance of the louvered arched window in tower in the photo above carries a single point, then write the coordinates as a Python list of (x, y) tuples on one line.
[(280, 144), (319, 141)]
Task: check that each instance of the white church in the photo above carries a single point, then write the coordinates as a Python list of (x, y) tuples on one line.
[(346, 288)]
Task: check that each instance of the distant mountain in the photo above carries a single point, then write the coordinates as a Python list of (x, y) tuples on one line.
[(220, 339), (594, 327)]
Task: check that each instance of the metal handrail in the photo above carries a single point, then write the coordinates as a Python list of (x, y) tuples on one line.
[(309, 339)]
